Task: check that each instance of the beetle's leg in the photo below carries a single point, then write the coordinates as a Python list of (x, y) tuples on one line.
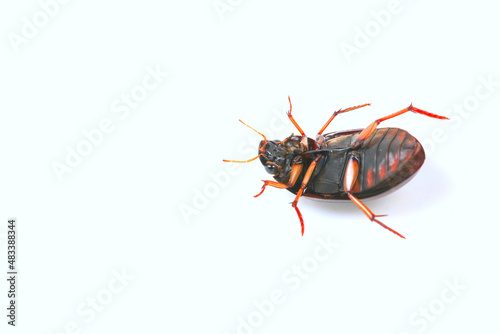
[(294, 174), (351, 174), (272, 184), (305, 181), (339, 112), (289, 114), (304, 141), (365, 134)]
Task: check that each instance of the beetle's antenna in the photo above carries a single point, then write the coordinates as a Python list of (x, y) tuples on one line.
[(241, 161), (253, 129), (244, 161)]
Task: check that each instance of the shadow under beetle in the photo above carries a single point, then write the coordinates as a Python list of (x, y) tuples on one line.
[(343, 165)]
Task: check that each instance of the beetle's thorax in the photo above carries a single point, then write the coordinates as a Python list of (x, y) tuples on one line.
[(279, 156)]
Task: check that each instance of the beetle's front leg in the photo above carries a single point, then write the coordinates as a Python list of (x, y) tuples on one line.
[(294, 174), (289, 114), (304, 140), (350, 177), (272, 184)]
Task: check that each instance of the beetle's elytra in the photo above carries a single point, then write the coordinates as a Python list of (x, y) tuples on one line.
[(344, 165)]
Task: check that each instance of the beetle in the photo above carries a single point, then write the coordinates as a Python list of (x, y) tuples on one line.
[(345, 165)]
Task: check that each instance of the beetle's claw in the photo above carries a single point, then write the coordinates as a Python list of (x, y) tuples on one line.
[(385, 226), (294, 204)]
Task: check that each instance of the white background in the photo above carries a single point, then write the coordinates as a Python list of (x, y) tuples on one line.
[(120, 208)]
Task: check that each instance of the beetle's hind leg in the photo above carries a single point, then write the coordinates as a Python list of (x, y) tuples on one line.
[(351, 174), (365, 134)]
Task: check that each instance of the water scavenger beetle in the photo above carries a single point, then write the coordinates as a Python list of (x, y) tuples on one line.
[(343, 165)]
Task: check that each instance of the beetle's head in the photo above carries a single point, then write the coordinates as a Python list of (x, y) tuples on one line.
[(278, 156), (272, 156)]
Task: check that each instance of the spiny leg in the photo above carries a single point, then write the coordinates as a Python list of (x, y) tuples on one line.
[(339, 112), (305, 181), (365, 134), (351, 174)]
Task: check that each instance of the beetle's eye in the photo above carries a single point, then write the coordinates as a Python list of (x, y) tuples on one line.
[(271, 169)]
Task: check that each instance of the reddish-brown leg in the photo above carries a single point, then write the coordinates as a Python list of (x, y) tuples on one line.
[(289, 114), (339, 112), (305, 181), (294, 174), (351, 174), (272, 184), (365, 134)]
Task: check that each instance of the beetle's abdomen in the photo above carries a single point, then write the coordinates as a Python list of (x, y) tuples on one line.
[(388, 159)]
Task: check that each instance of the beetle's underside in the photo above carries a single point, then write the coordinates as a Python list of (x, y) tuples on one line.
[(346, 165)]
